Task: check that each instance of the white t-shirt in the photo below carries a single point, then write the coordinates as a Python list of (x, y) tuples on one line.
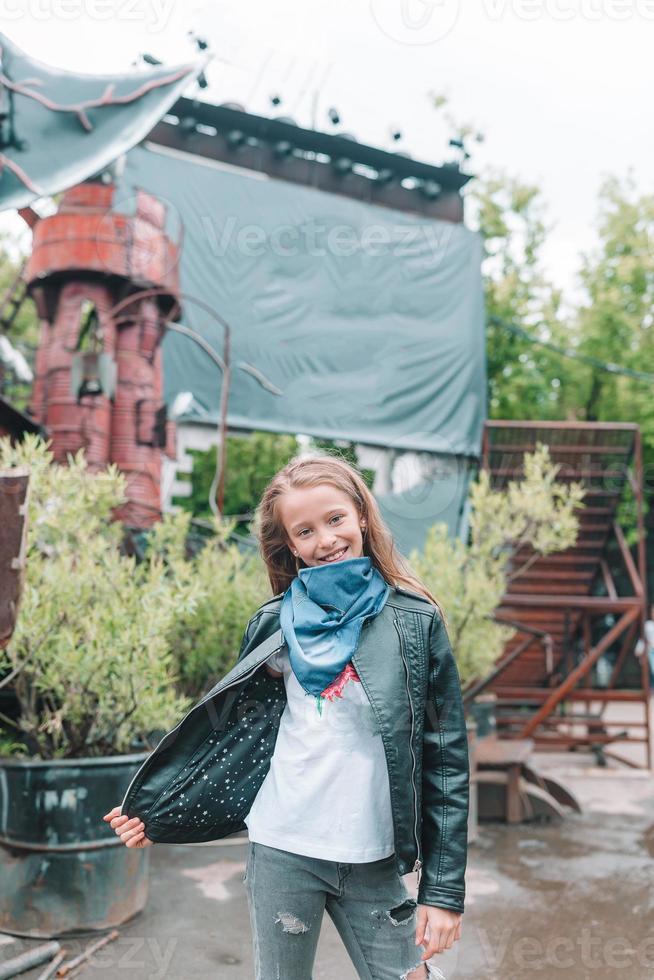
[(326, 794)]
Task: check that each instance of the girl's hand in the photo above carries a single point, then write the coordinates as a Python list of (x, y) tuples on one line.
[(443, 926), (131, 832)]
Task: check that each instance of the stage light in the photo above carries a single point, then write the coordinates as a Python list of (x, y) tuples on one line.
[(283, 148), (342, 165), (187, 125), (430, 189)]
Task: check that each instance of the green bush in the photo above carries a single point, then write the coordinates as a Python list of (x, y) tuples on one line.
[(469, 579), (231, 584), (90, 660), (252, 461)]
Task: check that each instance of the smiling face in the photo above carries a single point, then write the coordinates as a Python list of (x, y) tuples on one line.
[(322, 524)]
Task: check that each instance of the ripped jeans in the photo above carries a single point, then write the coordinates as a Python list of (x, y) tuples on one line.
[(368, 903)]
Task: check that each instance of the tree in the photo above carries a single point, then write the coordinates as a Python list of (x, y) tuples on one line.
[(524, 380), (469, 579), (615, 322), (23, 334)]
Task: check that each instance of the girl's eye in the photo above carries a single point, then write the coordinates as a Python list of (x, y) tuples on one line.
[(336, 517)]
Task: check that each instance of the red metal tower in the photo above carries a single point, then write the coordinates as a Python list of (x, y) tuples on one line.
[(98, 380)]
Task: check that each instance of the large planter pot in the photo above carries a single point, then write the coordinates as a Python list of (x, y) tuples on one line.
[(62, 868)]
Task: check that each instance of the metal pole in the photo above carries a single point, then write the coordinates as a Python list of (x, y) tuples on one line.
[(224, 399), (642, 570)]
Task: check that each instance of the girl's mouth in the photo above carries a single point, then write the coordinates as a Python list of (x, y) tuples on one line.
[(335, 555)]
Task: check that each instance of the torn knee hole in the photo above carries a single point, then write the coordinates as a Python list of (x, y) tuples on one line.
[(401, 915), (291, 923)]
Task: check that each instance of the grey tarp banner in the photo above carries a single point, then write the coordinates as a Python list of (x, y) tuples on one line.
[(44, 150), (369, 321), (439, 500)]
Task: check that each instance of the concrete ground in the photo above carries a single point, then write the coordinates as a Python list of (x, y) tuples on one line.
[(561, 900)]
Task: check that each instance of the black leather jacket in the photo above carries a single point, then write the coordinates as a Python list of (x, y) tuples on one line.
[(201, 780)]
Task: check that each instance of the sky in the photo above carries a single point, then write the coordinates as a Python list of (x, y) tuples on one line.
[(560, 89)]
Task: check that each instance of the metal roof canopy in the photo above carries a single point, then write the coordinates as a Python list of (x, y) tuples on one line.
[(60, 127), (254, 143)]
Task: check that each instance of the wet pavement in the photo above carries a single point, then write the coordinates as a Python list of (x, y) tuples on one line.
[(570, 900)]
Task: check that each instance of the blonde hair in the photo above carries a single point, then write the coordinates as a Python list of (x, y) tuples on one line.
[(311, 471)]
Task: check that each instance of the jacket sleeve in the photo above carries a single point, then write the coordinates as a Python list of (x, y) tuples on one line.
[(445, 779)]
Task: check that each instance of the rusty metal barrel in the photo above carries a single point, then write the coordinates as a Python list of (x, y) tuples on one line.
[(63, 871)]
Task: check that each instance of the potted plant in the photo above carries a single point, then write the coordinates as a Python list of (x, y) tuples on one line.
[(92, 670)]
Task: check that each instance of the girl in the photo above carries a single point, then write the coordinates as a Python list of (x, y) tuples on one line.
[(338, 740)]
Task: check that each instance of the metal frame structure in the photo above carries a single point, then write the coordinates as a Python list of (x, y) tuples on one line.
[(567, 608), (331, 162)]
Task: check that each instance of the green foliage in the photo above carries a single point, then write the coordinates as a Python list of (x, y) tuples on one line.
[(470, 579), (24, 331), (25, 327), (615, 322), (231, 585), (252, 461), (91, 656), (525, 381), (344, 450)]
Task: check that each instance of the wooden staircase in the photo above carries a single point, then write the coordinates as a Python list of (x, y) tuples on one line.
[(566, 607)]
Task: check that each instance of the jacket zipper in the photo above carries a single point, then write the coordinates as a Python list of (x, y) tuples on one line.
[(418, 865), (235, 680)]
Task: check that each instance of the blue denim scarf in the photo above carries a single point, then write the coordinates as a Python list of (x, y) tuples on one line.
[(321, 616)]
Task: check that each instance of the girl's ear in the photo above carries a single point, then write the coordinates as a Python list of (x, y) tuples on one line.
[(291, 548)]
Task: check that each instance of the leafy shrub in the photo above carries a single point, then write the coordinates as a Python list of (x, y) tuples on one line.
[(231, 584), (469, 579), (90, 660)]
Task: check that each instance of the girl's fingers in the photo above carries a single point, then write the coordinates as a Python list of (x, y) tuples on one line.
[(421, 925), (125, 823), (435, 945), (132, 832)]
